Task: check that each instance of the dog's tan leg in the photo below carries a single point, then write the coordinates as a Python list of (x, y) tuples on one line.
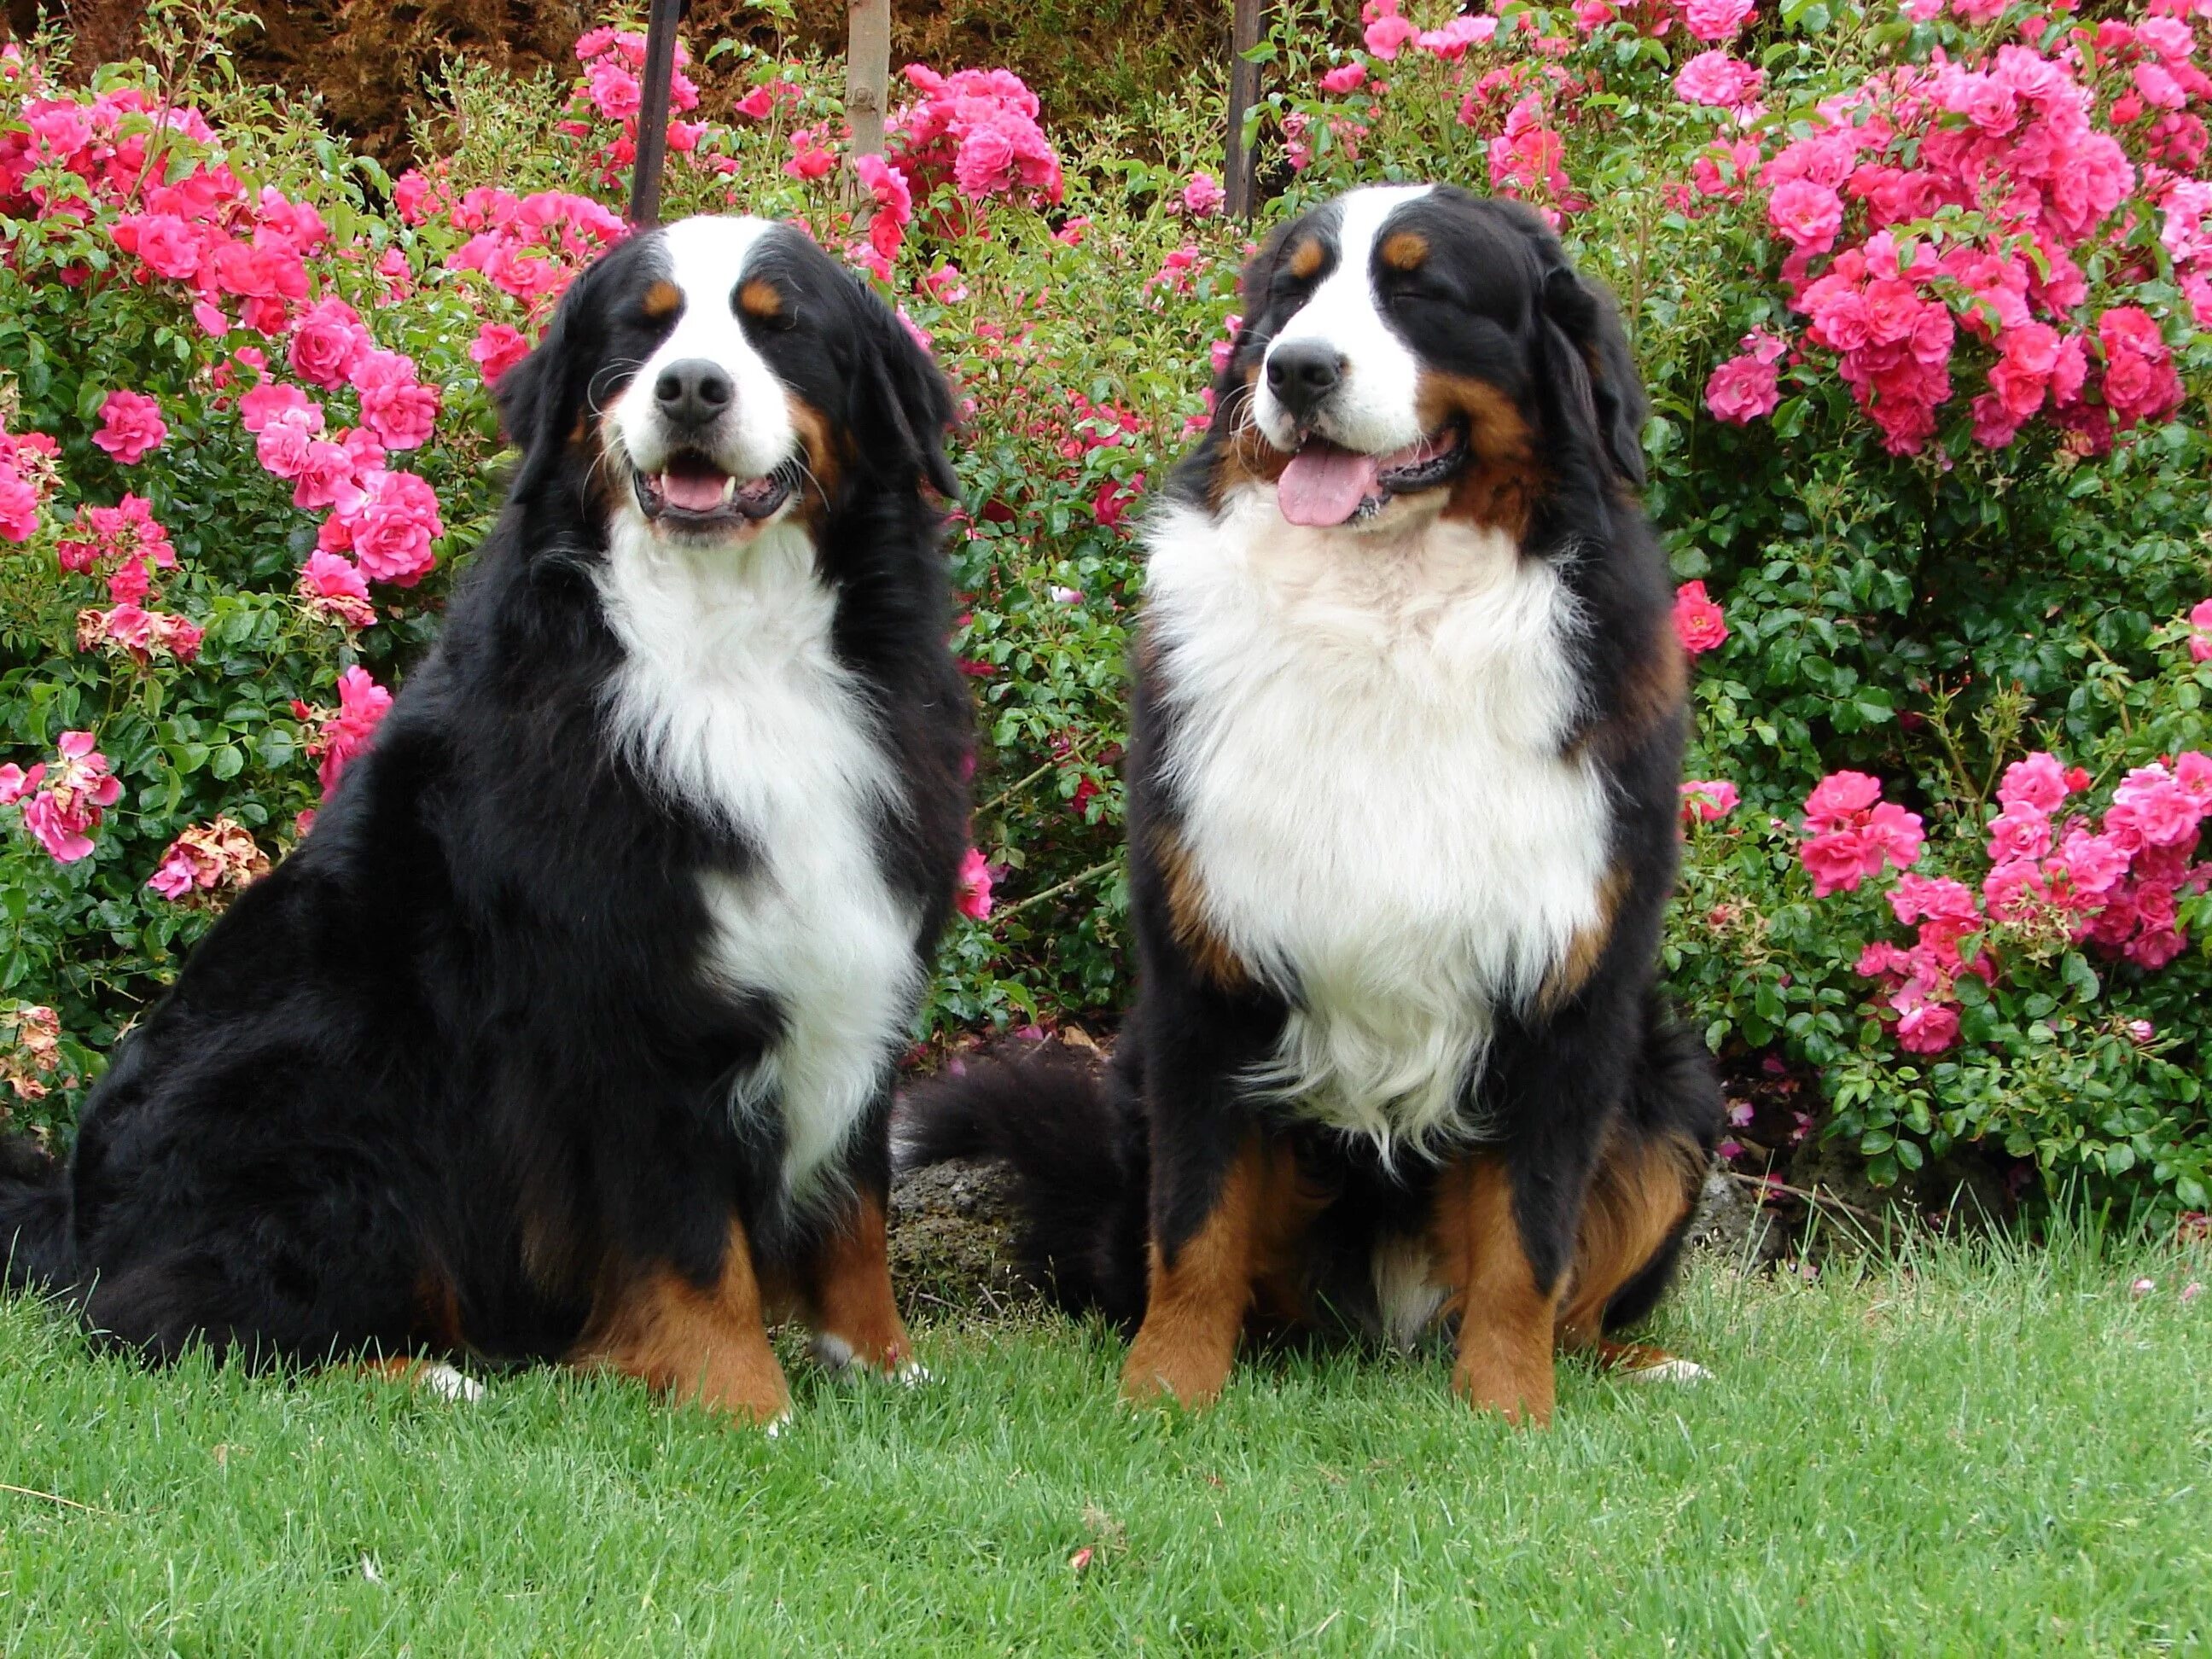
[(1506, 1320), (703, 1342), (855, 1320), (1197, 1297)]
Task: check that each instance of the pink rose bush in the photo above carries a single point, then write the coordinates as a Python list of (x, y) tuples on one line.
[(2055, 879)]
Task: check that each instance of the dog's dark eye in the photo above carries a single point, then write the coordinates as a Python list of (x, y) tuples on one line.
[(1418, 289)]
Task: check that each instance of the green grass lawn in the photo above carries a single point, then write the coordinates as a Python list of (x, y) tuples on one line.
[(1972, 1452)]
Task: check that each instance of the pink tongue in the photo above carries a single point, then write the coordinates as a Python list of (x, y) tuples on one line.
[(1324, 484), (695, 492)]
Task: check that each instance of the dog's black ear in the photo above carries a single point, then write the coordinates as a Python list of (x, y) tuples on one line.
[(539, 398), (907, 408), (1599, 363)]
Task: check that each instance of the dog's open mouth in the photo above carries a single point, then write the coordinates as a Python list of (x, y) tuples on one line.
[(691, 492), (1326, 484)]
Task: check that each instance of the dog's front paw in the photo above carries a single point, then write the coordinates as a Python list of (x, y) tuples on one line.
[(1191, 1375)]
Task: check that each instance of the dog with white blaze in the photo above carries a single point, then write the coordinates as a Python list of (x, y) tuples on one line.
[(568, 1034), (1408, 716)]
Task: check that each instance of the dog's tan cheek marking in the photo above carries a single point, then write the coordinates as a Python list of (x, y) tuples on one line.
[(1406, 249), (1499, 488), (758, 298), (663, 300), (816, 437)]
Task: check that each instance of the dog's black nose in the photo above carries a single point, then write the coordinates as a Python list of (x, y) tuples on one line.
[(1302, 373), (692, 392)]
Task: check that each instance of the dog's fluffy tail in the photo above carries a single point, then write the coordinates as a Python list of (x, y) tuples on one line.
[(36, 1251), (1070, 1132)]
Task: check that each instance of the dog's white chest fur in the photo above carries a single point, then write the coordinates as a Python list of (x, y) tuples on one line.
[(1365, 734), (734, 699)]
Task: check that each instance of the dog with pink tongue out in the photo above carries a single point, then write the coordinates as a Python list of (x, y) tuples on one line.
[(1408, 715)]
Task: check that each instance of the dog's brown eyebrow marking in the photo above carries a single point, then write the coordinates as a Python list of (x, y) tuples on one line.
[(1405, 250), (663, 299), (759, 298), (1306, 258)]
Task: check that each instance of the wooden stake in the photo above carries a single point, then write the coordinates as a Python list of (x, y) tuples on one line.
[(867, 72), (653, 111), (1238, 184)]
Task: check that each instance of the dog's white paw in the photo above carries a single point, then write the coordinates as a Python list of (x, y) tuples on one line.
[(830, 1352), (912, 1374), (448, 1383), (1672, 1369)]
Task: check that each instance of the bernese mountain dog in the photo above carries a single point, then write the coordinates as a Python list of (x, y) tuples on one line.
[(568, 1033), (1408, 716)]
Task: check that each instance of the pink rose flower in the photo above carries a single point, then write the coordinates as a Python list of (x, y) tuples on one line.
[(497, 348), (1924, 1027), (973, 898), (2200, 630), (1839, 796), (1719, 81), (334, 587), (2025, 836), (1716, 20), (63, 803), (1836, 860), (1387, 35), (1743, 390), (2037, 785), (1709, 800), (342, 734), (1891, 833), (1203, 196), (130, 427), (327, 341), (1698, 620), (390, 529), (269, 400), (1807, 213)]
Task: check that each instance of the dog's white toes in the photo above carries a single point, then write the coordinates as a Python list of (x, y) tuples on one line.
[(776, 1425), (831, 1352), (914, 1374), (1672, 1369), (448, 1383)]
